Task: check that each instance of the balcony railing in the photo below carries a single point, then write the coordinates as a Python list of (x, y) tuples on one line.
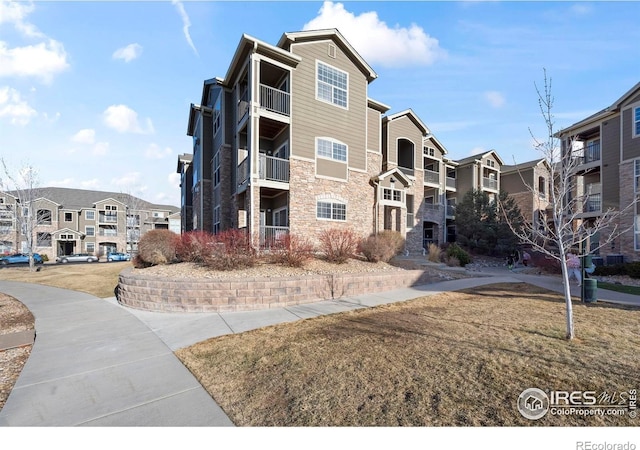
[(271, 236), (489, 183), (243, 104), (6, 215), (593, 203), (275, 100), (591, 152), (6, 230), (431, 176), (451, 210), (274, 169), (243, 171), (407, 170), (108, 233), (451, 182), (108, 218)]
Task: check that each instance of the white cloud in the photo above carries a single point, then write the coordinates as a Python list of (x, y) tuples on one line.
[(15, 13), (51, 119), (186, 24), (581, 9), (42, 60), (85, 136), (375, 40), (477, 151), (495, 99), (100, 149), (14, 108), (125, 120), (67, 182), (174, 179), (127, 180), (128, 53), (90, 184), (155, 152)]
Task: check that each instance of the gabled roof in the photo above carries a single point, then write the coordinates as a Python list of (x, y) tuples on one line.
[(396, 173), (77, 199), (505, 169), (332, 33), (437, 142), (250, 44), (479, 157), (68, 230), (411, 115), (379, 106), (604, 113)]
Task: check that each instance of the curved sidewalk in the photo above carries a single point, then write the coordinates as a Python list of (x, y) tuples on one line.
[(97, 363)]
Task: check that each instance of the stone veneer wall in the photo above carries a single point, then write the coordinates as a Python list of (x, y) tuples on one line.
[(625, 243), (155, 293)]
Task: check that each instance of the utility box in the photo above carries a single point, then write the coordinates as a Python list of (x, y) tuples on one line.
[(589, 290)]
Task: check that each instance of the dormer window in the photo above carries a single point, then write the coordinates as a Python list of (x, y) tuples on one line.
[(491, 163)]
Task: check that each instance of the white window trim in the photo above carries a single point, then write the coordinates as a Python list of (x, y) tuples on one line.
[(636, 233), (636, 176), (634, 123), (86, 214), (87, 233), (332, 202), (318, 62), (332, 141)]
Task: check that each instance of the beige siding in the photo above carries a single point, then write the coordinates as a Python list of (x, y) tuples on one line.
[(312, 118), (333, 169), (403, 127), (465, 180), (373, 130), (631, 145), (438, 153), (610, 155)]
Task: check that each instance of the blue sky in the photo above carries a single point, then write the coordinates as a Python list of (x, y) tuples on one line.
[(96, 95)]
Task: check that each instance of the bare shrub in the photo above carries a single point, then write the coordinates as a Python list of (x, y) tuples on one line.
[(435, 253), (139, 263), (292, 251), (452, 261), (338, 245), (195, 246), (158, 247), (382, 246), (230, 250)]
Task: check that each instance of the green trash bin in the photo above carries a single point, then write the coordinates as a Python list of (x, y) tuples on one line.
[(589, 290)]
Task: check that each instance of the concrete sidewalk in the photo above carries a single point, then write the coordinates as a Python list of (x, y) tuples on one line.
[(97, 363)]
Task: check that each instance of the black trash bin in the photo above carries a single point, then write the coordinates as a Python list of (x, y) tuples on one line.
[(589, 290)]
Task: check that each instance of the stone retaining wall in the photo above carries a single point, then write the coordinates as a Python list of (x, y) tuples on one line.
[(202, 295)]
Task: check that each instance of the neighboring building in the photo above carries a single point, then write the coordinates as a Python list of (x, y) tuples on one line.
[(529, 184), (607, 145), (78, 221)]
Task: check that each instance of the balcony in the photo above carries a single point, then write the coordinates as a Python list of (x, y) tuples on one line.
[(273, 169), (108, 218), (271, 236), (242, 173), (108, 233), (432, 212), (591, 152), (451, 210), (407, 170), (275, 100), (431, 176), (451, 183), (6, 215), (490, 183), (593, 203)]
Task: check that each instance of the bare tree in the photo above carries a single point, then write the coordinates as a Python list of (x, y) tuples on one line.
[(565, 228), (24, 185), (134, 207)]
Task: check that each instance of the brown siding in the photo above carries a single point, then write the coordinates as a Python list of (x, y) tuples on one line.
[(465, 180), (312, 118), (403, 127), (610, 155), (373, 130), (630, 145), (332, 169)]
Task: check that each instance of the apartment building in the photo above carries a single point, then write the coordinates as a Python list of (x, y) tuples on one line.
[(289, 141), (605, 150), (529, 184), (70, 221)]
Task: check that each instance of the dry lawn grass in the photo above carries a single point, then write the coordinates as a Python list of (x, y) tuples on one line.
[(456, 359), (99, 279)]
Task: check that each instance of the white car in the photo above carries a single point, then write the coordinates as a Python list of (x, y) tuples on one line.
[(76, 257)]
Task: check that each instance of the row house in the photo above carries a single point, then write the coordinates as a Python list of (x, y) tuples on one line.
[(603, 151), (289, 141), (65, 221)]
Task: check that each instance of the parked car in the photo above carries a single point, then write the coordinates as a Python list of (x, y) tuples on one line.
[(20, 258), (77, 257), (118, 256)]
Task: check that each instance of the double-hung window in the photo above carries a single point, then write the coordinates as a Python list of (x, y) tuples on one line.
[(332, 85), (636, 121), (331, 210), (328, 148)]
